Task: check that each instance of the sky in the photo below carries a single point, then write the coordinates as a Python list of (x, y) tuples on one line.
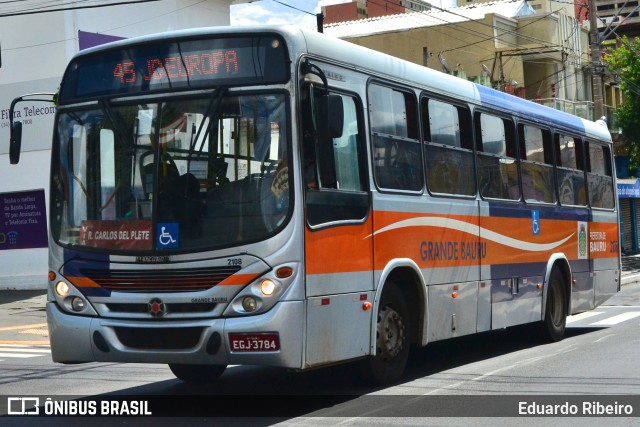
[(272, 12)]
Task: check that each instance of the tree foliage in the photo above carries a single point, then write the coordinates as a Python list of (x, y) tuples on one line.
[(624, 60)]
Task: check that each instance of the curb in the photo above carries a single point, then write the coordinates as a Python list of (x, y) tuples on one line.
[(630, 279)]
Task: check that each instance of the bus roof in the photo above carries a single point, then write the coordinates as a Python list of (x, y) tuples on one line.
[(376, 63)]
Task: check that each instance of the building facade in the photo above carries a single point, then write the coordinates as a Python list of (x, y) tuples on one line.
[(504, 44), (538, 50)]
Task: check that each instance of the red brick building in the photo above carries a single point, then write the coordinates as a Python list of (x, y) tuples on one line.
[(362, 9)]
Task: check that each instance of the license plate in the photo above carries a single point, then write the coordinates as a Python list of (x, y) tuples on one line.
[(254, 342)]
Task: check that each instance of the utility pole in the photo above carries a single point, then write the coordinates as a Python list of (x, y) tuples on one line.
[(596, 63)]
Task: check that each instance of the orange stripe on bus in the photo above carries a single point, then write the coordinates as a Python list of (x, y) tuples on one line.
[(83, 282), (452, 241), (339, 249), (238, 279)]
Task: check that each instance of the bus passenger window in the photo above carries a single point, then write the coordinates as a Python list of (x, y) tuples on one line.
[(600, 181), (570, 171), (497, 167), (396, 148), (536, 163), (448, 148)]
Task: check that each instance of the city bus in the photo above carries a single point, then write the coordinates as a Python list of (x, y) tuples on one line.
[(275, 196)]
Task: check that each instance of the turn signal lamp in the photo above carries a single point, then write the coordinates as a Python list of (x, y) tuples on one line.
[(284, 272)]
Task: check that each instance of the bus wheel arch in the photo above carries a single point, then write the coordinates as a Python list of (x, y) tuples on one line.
[(406, 275), (396, 318), (556, 301)]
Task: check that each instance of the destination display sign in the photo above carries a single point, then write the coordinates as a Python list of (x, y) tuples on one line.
[(130, 234), (176, 64)]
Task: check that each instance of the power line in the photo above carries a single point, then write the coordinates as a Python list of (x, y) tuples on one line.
[(495, 37), (293, 7), (34, 12)]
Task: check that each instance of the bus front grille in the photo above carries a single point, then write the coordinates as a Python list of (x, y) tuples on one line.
[(136, 308), (159, 338), (178, 280)]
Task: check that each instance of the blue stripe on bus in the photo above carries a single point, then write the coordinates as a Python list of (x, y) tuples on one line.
[(533, 269), (96, 292), (512, 210), (98, 258), (528, 109), (74, 261)]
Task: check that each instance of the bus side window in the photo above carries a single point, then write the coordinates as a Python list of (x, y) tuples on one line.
[(497, 166), (349, 200), (536, 164), (394, 133), (570, 171), (448, 148), (600, 181)]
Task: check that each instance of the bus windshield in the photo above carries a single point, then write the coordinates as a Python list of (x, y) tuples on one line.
[(176, 175)]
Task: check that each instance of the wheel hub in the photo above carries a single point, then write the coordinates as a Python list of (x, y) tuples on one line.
[(390, 333)]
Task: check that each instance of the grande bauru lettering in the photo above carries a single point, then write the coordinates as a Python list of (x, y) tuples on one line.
[(452, 251)]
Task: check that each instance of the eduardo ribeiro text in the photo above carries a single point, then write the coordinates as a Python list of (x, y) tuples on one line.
[(567, 408)]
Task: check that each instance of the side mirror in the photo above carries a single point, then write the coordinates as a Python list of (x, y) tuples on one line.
[(330, 125), (15, 143)]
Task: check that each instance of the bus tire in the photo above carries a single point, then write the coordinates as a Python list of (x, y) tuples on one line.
[(197, 373), (555, 314), (392, 340)]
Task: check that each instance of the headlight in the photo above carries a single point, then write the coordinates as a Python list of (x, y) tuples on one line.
[(263, 293), (62, 289), (70, 299), (249, 304), (267, 287), (78, 304)]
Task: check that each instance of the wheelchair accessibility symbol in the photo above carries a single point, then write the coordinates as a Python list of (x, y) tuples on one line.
[(168, 233), (535, 222)]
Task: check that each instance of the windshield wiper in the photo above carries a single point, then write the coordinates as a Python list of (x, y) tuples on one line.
[(108, 111), (212, 112)]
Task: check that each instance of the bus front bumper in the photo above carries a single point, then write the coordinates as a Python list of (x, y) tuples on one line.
[(78, 339)]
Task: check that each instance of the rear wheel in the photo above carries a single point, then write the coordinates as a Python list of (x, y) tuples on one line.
[(197, 373), (392, 340), (555, 314)]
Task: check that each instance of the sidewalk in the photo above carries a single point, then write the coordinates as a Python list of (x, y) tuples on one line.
[(630, 269), (23, 317)]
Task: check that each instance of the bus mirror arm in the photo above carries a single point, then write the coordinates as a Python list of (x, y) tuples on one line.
[(332, 115), (309, 68), (15, 128), (15, 142)]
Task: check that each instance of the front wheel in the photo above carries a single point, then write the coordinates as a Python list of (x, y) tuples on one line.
[(197, 373), (392, 340), (555, 315)]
